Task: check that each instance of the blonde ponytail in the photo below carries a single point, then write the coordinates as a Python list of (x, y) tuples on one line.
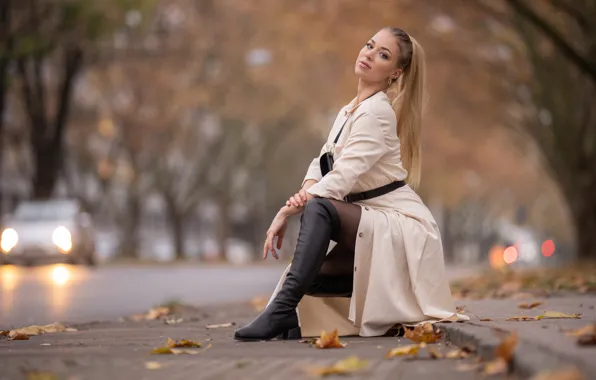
[(408, 104)]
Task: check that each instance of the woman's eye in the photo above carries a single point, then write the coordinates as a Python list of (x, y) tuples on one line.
[(384, 56), (369, 45)]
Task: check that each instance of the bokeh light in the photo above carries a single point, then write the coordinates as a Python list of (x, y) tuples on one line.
[(548, 248), (510, 255)]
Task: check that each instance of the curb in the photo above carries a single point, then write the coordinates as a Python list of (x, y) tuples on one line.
[(528, 359)]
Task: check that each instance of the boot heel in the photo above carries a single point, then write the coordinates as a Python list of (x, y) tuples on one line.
[(294, 333)]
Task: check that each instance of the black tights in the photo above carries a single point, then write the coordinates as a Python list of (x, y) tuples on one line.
[(340, 261)]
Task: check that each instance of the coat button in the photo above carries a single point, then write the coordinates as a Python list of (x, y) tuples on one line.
[(355, 269), (361, 234), (366, 208)]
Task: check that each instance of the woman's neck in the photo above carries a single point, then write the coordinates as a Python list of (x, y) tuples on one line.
[(366, 89)]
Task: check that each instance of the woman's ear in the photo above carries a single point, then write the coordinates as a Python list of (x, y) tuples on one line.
[(396, 74)]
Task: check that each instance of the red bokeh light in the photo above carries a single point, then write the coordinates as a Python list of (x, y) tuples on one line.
[(510, 255), (548, 248)]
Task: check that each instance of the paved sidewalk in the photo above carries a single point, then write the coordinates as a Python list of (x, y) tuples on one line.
[(120, 350), (543, 344)]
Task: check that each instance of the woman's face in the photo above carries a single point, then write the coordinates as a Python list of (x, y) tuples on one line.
[(377, 61)]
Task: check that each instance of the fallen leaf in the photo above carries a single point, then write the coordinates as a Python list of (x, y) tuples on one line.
[(162, 351), (173, 321), (221, 325), (411, 349), (498, 366), (242, 363), (329, 340), (153, 365), (348, 365), (522, 318), (38, 375), (423, 333), (586, 330), (152, 314), (506, 348), (559, 374), (460, 353), (532, 305), (485, 320), (182, 343), (18, 336), (558, 315), (4, 332), (309, 340), (434, 353), (460, 309), (586, 336)]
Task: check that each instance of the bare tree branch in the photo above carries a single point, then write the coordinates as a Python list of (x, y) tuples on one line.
[(583, 63)]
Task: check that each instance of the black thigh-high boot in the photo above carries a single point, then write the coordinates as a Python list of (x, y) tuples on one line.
[(319, 222)]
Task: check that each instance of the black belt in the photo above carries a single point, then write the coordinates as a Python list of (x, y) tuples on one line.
[(357, 197)]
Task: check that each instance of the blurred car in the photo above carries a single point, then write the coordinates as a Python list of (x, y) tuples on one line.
[(48, 231)]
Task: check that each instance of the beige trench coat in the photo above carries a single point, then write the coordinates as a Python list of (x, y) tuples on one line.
[(399, 273)]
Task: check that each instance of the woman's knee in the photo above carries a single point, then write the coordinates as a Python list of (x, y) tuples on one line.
[(318, 205)]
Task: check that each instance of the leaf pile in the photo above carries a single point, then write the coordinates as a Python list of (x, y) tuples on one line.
[(523, 283), (423, 333)]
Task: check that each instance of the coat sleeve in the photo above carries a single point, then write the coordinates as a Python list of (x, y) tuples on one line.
[(364, 147), (314, 169)]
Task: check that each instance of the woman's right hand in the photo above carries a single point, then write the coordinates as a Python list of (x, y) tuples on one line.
[(297, 200)]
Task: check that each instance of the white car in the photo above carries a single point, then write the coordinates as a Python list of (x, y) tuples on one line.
[(48, 231)]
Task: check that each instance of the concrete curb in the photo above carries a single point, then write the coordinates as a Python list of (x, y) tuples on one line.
[(528, 359)]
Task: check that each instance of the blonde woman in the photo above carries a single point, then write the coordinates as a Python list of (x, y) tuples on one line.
[(369, 252)]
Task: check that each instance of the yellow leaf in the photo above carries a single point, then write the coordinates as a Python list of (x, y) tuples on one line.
[(558, 315), (162, 351), (423, 333), (36, 375), (348, 365), (329, 340), (411, 349), (532, 305), (498, 366), (559, 374)]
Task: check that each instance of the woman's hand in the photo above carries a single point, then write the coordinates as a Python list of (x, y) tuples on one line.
[(299, 199), (277, 228)]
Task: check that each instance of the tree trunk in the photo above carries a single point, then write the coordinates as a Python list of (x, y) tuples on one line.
[(47, 166), (129, 241), (583, 207), (176, 220), (223, 225)]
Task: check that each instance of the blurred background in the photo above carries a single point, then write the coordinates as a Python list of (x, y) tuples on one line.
[(161, 130)]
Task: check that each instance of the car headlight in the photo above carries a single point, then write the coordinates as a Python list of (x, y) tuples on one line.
[(62, 238), (9, 240)]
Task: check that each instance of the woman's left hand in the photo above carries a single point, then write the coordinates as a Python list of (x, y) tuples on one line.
[(277, 228)]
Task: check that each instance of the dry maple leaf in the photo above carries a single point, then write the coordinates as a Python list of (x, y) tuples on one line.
[(506, 348), (411, 349), (423, 333), (558, 315), (329, 340), (532, 305), (348, 365), (183, 343), (522, 318), (559, 374)]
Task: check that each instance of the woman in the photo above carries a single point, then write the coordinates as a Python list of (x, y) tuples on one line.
[(369, 253)]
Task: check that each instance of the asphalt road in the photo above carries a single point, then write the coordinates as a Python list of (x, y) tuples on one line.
[(46, 294)]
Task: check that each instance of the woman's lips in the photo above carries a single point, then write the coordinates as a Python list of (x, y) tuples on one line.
[(364, 64)]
